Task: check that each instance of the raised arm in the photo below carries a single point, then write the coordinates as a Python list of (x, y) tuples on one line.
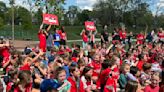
[(41, 26), (107, 51), (82, 32), (49, 27)]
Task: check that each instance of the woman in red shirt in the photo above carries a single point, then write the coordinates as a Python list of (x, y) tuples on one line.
[(42, 34), (63, 37), (42, 39), (85, 38)]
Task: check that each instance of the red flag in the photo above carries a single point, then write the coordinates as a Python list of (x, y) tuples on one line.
[(89, 25), (50, 19)]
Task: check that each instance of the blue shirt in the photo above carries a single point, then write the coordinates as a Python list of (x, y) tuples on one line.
[(67, 70), (57, 38)]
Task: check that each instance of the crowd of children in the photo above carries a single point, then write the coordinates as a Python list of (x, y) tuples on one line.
[(119, 65)]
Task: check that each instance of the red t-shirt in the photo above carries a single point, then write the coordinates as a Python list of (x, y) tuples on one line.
[(28, 87), (63, 36), (104, 76), (76, 87), (122, 35), (84, 37), (140, 38), (110, 85), (140, 64), (160, 35), (4, 51), (42, 39), (59, 32), (148, 88), (96, 67), (25, 67)]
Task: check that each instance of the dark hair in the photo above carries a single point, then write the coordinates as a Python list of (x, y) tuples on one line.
[(140, 56), (81, 62), (78, 46), (72, 68), (24, 76), (105, 64), (57, 71), (133, 70), (131, 86), (54, 29), (86, 69), (62, 29)]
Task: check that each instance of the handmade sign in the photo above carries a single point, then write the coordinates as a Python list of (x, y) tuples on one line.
[(89, 25), (50, 19)]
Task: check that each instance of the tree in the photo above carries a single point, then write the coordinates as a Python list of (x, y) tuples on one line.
[(129, 12), (104, 11), (3, 10), (51, 6), (24, 17), (84, 16)]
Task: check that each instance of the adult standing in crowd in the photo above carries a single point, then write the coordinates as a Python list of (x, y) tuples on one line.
[(105, 35), (42, 34)]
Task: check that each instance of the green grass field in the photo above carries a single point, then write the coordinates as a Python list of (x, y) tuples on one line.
[(73, 32)]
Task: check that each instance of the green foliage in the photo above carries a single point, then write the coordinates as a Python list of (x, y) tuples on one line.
[(66, 21), (84, 16), (52, 6), (3, 10), (1, 22), (38, 16), (129, 12), (25, 17)]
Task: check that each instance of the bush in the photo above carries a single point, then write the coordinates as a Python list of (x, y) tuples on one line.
[(1, 22)]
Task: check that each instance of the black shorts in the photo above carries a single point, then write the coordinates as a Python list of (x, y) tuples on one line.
[(63, 42)]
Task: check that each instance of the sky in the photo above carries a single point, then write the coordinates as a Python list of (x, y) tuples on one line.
[(88, 4)]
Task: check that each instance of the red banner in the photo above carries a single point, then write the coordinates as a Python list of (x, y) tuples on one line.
[(89, 25), (50, 19)]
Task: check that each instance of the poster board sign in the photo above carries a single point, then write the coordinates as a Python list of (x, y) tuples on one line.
[(89, 25), (50, 19)]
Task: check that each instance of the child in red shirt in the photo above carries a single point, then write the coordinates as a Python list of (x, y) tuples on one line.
[(154, 86), (113, 76), (85, 38), (140, 62), (74, 79), (104, 74), (23, 83)]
